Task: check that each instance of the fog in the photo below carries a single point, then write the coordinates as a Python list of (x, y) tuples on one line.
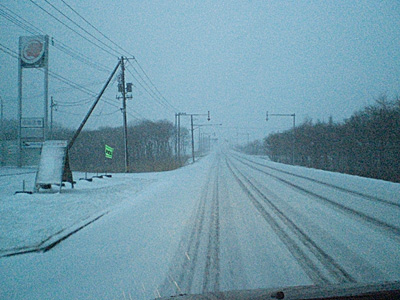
[(236, 60)]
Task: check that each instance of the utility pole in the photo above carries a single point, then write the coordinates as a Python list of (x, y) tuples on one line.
[(178, 115), (124, 88), (2, 133), (192, 129), (201, 142), (294, 130), (179, 137), (124, 115), (191, 124)]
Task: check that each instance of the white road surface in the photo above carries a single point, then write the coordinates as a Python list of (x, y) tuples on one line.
[(227, 222)]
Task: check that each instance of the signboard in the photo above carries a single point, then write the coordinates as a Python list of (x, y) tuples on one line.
[(32, 123), (32, 128), (54, 165), (33, 51), (109, 151)]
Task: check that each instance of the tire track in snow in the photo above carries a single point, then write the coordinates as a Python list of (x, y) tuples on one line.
[(211, 278), (355, 264), (45, 248), (316, 272), (391, 230), (339, 188), (181, 273)]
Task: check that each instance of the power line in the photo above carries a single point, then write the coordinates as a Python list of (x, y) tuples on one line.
[(29, 27), (8, 51), (34, 30), (80, 27), (106, 37), (76, 103), (94, 115), (67, 50), (154, 90), (73, 30), (74, 84), (150, 91), (90, 24), (151, 94), (155, 86)]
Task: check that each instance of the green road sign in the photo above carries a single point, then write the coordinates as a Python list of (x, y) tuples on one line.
[(109, 151)]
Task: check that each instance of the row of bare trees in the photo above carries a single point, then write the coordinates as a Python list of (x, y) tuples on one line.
[(366, 144), (151, 146)]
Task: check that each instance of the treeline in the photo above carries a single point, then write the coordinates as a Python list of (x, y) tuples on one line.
[(366, 144), (150, 147)]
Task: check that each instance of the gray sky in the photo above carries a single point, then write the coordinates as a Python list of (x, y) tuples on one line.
[(237, 59)]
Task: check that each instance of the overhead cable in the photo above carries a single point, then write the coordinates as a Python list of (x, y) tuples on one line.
[(159, 100), (101, 33), (29, 27), (73, 30), (155, 86), (80, 27)]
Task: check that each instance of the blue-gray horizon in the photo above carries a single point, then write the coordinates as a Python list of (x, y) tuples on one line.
[(317, 59)]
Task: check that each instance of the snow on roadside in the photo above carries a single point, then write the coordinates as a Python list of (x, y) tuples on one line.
[(373, 187), (29, 221)]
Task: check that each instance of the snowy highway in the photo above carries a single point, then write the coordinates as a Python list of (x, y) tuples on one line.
[(227, 222)]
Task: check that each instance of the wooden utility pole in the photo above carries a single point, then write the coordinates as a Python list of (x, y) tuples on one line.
[(124, 114)]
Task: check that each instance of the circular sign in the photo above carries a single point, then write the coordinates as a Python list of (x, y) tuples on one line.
[(32, 51)]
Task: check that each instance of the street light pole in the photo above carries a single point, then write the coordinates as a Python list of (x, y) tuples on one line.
[(201, 143), (294, 130), (192, 129), (191, 124)]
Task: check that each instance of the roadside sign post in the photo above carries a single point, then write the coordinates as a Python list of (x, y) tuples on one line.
[(108, 154), (33, 54)]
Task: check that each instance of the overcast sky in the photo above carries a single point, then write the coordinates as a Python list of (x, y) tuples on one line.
[(237, 59)]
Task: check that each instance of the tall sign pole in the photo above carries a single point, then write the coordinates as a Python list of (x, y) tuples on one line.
[(46, 90), (33, 54), (19, 140)]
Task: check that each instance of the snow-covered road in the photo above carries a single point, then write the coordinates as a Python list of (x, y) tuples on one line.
[(228, 222)]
